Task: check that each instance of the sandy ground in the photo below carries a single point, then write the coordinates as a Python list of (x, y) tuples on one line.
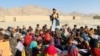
[(80, 22)]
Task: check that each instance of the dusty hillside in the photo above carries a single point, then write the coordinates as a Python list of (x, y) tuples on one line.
[(27, 10), (37, 10)]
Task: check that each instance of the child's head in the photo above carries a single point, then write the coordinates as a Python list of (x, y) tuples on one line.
[(98, 27), (75, 26), (41, 32), (1, 36), (86, 27), (5, 37), (37, 25), (40, 43), (70, 40), (24, 26)]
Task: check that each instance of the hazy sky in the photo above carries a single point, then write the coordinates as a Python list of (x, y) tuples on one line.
[(84, 6)]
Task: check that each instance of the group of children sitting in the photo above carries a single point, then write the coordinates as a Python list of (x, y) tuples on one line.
[(65, 41)]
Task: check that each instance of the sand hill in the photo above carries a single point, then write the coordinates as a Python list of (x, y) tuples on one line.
[(36, 10), (27, 10)]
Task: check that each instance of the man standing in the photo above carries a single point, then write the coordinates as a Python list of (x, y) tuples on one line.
[(54, 19)]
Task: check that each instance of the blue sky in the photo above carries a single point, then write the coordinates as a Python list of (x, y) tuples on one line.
[(84, 6)]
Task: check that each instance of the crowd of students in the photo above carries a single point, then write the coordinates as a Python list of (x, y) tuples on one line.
[(66, 41)]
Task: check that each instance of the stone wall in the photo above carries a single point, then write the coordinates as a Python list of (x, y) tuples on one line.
[(35, 18)]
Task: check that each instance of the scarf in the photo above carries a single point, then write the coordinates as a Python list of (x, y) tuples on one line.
[(33, 44), (51, 50)]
